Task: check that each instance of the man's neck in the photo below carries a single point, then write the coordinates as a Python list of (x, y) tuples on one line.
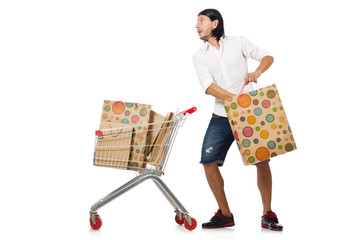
[(213, 42)]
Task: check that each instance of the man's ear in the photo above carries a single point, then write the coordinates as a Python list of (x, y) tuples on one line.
[(215, 23)]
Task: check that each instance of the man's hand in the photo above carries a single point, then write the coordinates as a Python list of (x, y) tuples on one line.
[(265, 63), (252, 77), (231, 96)]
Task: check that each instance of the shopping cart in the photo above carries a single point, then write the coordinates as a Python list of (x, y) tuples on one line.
[(115, 147)]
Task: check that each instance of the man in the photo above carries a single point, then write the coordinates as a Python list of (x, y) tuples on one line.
[(221, 67)]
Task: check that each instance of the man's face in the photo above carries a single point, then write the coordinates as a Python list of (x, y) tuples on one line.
[(205, 26)]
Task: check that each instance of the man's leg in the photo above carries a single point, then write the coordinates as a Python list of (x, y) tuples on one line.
[(269, 218), (217, 141), (264, 180), (216, 183)]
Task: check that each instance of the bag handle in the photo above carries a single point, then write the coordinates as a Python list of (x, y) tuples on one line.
[(242, 89)]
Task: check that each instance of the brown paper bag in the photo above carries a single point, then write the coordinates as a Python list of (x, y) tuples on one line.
[(154, 128), (116, 114), (113, 148), (260, 125), (159, 145)]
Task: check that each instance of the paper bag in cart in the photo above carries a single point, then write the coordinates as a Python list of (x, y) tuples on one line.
[(127, 146), (259, 124), (156, 122), (160, 143), (113, 148)]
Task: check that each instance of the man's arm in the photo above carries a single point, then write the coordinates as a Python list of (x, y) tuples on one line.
[(265, 63), (219, 92)]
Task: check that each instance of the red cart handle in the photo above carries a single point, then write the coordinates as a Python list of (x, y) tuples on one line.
[(190, 111), (99, 132)]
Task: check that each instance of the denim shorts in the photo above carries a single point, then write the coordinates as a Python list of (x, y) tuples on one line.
[(217, 141)]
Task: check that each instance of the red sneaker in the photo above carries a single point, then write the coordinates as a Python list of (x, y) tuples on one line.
[(270, 221), (219, 221)]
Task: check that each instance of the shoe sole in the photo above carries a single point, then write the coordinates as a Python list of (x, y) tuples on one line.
[(273, 229), (221, 226)]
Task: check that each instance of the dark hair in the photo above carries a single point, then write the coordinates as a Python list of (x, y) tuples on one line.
[(214, 14)]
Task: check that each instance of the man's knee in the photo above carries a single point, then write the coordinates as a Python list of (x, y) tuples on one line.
[(211, 167), (263, 167)]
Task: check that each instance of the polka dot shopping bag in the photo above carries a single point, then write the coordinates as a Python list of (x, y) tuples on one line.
[(131, 142), (259, 124)]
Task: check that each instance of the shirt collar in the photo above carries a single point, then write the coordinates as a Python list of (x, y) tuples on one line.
[(221, 42)]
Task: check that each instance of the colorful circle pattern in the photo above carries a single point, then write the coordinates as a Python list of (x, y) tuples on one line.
[(125, 112), (118, 113), (259, 121)]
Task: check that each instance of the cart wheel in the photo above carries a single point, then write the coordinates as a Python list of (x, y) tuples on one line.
[(98, 224), (188, 227), (180, 221)]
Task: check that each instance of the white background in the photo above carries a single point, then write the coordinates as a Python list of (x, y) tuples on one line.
[(60, 59)]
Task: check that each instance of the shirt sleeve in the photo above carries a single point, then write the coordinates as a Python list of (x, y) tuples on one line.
[(202, 72), (249, 50)]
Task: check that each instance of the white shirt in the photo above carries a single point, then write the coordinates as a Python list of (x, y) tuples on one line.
[(226, 67)]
